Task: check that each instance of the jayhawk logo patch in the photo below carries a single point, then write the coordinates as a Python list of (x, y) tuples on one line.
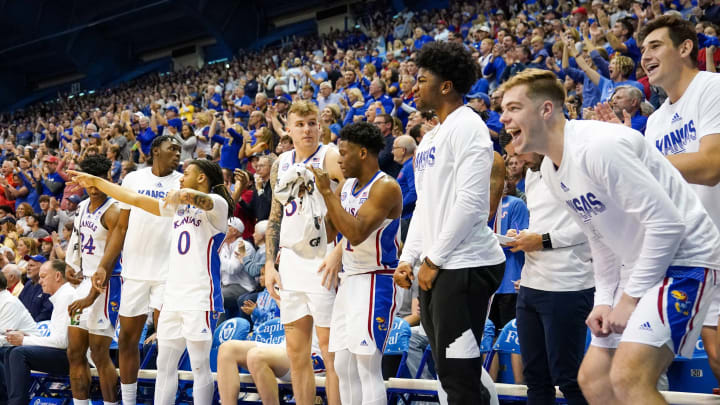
[(682, 304)]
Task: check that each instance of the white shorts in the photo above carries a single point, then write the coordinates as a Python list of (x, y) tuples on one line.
[(363, 313), (713, 314), (189, 325), (669, 313), (98, 319), (297, 304), (139, 297)]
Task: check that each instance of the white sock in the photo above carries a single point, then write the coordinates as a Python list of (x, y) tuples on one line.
[(81, 401), (110, 403), (129, 393)]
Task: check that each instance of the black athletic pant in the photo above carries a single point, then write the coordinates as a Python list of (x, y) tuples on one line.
[(453, 315), (551, 328)]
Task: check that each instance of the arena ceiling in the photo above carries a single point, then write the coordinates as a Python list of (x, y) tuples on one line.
[(46, 40)]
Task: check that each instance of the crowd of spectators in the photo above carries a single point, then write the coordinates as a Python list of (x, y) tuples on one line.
[(235, 111)]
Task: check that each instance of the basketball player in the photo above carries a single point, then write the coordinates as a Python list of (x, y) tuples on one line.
[(462, 262), (302, 292), (686, 127), (366, 210), (94, 313), (654, 247), (145, 262), (193, 297)]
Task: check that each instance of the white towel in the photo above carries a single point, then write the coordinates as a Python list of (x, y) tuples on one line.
[(303, 226)]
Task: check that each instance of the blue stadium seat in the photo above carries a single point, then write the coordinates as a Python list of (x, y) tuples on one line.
[(231, 329), (506, 344), (692, 375), (397, 345), (271, 331)]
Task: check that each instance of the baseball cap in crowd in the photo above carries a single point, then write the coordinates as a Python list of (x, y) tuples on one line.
[(175, 122), (481, 96), (441, 22), (237, 224), (485, 28), (46, 239), (7, 219), (75, 199), (36, 258), (172, 108), (579, 10), (283, 99), (95, 135), (139, 114), (51, 159)]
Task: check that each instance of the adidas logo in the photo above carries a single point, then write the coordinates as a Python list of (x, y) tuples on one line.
[(203, 331), (646, 326), (363, 343), (676, 118), (160, 184), (564, 187)]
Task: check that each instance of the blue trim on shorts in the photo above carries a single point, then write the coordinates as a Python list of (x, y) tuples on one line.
[(382, 308), (695, 273), (113, 298), (682, 294)]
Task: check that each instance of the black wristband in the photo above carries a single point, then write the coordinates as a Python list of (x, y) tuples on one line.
[(546, 242)]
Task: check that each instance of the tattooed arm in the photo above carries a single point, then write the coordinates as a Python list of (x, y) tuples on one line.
[(192, 197), (272, 238)]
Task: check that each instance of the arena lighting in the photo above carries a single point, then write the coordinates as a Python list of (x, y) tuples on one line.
[(81, 94), (91, 92)]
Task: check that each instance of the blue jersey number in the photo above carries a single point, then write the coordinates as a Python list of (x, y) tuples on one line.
[(88, 247), (184, 242), (348, 247)]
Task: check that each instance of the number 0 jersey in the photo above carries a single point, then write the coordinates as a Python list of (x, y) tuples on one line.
[(380, 250), (93, 236), (193, 281)]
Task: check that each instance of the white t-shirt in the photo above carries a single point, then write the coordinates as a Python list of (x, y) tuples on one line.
[(193, 282), (145, 252), (679, 127), (634, 206), (452, 180), (568, 265)]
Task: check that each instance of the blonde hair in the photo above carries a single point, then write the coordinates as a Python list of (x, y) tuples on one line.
[(264, 135), (540, 83), (357, 93), (303, 108), (31, 244), (625, 64)]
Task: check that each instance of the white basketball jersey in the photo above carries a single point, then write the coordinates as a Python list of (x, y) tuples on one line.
[(146, 244), (93, 235), (194, 281), (301, 274), (380, 250)]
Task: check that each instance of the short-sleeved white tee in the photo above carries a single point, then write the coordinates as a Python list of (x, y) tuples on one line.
[(145, 251), (679, 127)]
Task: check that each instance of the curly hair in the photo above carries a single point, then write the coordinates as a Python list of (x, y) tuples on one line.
[(365, 135), (97, 165), (450, 61)]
